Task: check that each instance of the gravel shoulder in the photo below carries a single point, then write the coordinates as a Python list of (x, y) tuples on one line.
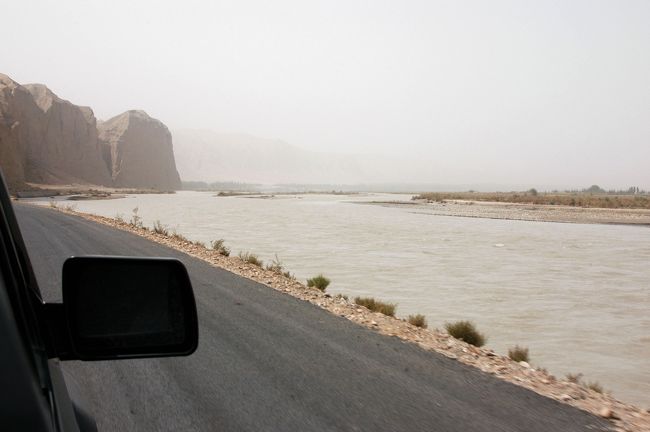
[(624, 417)]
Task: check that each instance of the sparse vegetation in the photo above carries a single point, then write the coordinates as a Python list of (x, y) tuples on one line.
[(593, 197), (595, 386), (136, 221), (574, 378), (119, 217), (53, 204), (178, 236), (276, 266), (320, 282), (467, 332), (418, 320), (159, 228), (518, 353), (219, 246), (376, 305), (342, 297), (251, 258)]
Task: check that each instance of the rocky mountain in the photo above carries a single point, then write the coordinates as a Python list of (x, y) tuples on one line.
[(47, 140), (130, 141)]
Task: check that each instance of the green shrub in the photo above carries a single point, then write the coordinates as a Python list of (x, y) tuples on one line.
[(251, 258), (418, 320), (376, 305), (518, 353), (467, 332), (159, 228), (219, 246), (320, 282)]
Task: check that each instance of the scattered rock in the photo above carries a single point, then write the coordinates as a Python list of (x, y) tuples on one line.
[(607, 413)]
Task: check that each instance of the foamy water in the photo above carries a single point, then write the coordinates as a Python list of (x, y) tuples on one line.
[(577, 295)]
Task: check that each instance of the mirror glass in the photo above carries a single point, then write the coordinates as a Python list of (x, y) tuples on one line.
[(120, 307)]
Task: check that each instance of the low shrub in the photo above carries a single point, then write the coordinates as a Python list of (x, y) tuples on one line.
[(320, 282), (219, 246), (376, 305), (159, 228), (467, 332), (136, 221), (595, 386), (179, 237), (251, 258), (418, 320), (276, 266), (574, 378), (518, 353)]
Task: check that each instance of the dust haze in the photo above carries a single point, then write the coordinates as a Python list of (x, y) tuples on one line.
[(473, 92)]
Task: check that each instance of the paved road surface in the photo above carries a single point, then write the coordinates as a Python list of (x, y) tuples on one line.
[(267, 361)]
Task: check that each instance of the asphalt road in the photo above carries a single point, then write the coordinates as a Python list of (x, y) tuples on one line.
[(267, 361)]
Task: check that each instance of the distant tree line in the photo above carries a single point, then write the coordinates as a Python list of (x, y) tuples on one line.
[(595, 189)]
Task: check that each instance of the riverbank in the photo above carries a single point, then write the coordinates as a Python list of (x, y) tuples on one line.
[(78, 192), (628, 418), (524, 212)]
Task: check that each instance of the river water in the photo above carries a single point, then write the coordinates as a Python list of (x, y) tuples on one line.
[(577, 295)]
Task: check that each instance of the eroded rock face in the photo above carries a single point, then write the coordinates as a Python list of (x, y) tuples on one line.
[(45, 139), (139, 151), (16, 106), (68, 151)]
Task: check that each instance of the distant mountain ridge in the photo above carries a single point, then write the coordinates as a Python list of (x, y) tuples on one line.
[(210, 156), (48, 140)]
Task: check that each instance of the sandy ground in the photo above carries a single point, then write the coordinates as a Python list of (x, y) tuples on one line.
[(527, 212), (624, 417)]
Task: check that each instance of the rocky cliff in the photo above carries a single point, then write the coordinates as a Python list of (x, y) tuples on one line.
[(47, 140), (140, 151)]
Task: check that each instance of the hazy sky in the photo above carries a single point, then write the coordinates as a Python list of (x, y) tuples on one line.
[(525, 92)]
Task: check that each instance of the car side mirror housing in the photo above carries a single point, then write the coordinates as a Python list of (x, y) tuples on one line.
[(121, 307)]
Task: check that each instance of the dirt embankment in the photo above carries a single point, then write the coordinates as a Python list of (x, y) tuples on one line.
[(624, 417)]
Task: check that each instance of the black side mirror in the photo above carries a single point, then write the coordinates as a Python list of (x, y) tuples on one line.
[(117, 308)]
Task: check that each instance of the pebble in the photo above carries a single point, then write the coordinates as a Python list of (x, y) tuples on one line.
[(524, 364), (565, 397)]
